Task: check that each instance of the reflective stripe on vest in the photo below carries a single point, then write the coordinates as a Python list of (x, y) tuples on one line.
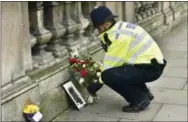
[(119, 27), (140, 51), (137, 40), (113, 59), (125, 32), (107, 66)]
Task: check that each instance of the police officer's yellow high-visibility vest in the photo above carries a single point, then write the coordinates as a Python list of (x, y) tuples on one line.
[(131, 44)]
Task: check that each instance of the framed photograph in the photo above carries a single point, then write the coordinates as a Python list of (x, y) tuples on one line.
[(74, 94)]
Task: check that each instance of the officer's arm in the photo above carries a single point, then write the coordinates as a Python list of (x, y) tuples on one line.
[(119, 47)]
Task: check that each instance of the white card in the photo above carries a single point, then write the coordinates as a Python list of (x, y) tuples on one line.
[(37, 117)]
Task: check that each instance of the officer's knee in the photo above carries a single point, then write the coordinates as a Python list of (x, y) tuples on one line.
[(104, 76)]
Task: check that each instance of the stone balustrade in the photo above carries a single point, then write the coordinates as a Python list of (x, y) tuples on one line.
[(145, 9), (38, 38)]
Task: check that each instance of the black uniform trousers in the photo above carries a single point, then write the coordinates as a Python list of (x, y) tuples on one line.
[(130, 80)]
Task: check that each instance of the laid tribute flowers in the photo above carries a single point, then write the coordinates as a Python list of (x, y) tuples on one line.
[(31, 111), (87, 72)]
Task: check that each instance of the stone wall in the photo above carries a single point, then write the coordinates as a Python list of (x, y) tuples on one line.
[(38, 37)]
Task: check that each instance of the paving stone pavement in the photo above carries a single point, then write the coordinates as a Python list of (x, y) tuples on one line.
[(170, 103)]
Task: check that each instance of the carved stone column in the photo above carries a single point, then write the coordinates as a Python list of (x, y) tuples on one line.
[(69, 38), (95, 42), (53, 24), (83, 24), (40, 56)]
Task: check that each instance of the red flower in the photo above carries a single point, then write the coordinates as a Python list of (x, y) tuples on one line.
[(72, 60), (83, 72)]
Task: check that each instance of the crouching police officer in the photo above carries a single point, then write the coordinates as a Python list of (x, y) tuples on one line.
[(131, 60)]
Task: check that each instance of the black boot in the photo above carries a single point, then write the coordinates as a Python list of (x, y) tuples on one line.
[(136, 108), (150, 95)]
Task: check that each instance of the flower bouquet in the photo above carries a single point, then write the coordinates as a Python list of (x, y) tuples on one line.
[(31, 111), (87, 72)]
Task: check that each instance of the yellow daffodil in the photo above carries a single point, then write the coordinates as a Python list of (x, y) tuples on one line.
[(29, 109)]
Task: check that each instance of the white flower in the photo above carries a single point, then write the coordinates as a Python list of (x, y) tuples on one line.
[(95, 81), (95, 65), (81, 80), (98, 74), (84, 66)]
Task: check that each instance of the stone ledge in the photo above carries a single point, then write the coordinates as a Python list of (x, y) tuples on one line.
[(42, 74), (20, 86), (32, 79), (96, 50)]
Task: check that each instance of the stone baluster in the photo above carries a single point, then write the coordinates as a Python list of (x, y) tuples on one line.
[(69, 38), (53, 24), (143, 9), (155, 6), (138, 17), (148, 9), (95, 42), (83, 24), (33, 40), (40, 56)]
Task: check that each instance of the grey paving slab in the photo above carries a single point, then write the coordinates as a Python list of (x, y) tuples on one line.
[(176, 39), (185, 88), (172, 113), (82, 116), (170, 96), (106, 93), (177, 63), (113, 108), (128, 120), (175, 54), (169, 83), (176, 72), (175, 47)]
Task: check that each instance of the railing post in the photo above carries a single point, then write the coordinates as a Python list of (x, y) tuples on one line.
[(53, 24), (40, 56)]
